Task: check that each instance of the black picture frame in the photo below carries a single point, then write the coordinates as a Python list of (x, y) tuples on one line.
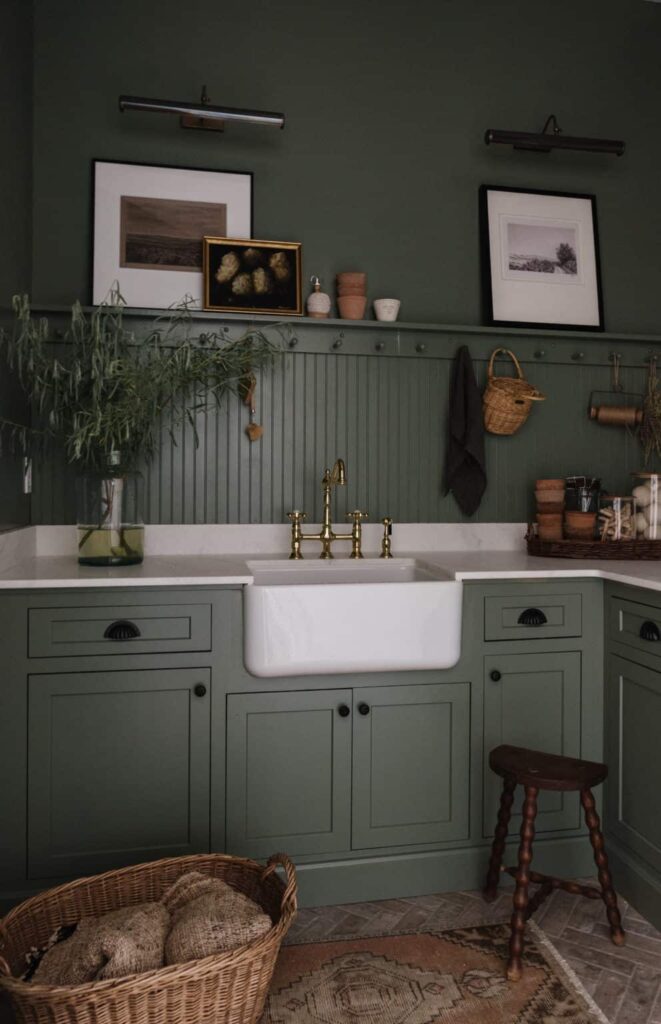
[(554, 294), (178, 291)]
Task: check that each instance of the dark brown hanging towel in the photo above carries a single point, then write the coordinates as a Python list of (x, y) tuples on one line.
[(465, 468)]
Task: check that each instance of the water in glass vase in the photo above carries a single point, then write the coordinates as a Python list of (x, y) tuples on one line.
[(110, 527), (106, 546)]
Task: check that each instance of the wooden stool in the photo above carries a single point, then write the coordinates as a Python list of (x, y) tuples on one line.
[(535, 770)]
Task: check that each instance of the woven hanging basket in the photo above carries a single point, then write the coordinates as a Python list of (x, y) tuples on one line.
[(507, 401), (230, 987)]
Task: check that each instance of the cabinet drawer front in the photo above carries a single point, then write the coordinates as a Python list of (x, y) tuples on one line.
[(636, 625), (118, 768), (634, 701), (80, 631), (516, 617)]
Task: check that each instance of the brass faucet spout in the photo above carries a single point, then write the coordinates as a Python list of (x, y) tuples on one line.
[(337, 477), (339, 474)]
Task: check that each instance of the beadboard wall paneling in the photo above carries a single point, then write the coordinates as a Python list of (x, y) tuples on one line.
[(386, 415)]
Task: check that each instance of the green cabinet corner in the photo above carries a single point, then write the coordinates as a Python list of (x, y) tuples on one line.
[(634, 702)]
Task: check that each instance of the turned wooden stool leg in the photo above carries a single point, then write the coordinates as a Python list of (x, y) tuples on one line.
[(522, 881), (601, 860), (499, 837)]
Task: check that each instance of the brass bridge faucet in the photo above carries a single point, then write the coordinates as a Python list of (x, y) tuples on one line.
[(337, 477)]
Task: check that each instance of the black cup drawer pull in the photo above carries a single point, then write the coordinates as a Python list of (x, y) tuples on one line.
[(122, 630), (650, 631), (532, 617)]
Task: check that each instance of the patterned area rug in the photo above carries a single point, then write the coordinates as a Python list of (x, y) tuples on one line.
[(453, 977)]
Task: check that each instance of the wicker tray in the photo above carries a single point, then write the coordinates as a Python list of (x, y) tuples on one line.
[(604, 549), (230, 987)]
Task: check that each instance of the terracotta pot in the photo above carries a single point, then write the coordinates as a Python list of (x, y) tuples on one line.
[(557, 497), (354, 277), (549, 518), (549, 532), (550, 485), (351, 289), (352, 307), (580, 525), (549, 525), (546, 507)]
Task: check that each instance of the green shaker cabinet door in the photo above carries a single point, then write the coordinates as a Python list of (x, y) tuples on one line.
[(634, 714), (533, 700), (411, 749), (288, 772), (118, 769)]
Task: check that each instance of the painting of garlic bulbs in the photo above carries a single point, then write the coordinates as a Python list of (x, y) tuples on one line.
[(249, 276)]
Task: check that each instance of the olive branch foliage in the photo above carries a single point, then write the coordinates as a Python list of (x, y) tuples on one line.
[(99, 389)]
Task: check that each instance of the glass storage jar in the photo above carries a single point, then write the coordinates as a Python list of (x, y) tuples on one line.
[(617, 517), (110, 526), (647, 494)]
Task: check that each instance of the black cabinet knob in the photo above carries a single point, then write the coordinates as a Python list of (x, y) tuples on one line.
[(344, 711), (363, 709), (199, 690), (495, 675), (122, 629), (532, 617), (649, 631)]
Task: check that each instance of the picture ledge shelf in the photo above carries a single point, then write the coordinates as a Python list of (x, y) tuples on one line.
[(399, 339), (522, 334)]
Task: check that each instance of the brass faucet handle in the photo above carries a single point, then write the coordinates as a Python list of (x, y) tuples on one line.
[(296, 516), (357, 515), (386, 543)]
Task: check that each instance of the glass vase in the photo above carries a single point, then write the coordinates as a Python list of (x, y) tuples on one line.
[(110, 526)]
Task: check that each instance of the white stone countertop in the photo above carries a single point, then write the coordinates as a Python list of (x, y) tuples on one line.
[(44, 557)]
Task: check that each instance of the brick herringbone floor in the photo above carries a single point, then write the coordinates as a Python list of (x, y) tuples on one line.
[(624, 981)]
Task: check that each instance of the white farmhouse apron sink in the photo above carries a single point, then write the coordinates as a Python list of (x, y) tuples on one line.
[(324, 617)]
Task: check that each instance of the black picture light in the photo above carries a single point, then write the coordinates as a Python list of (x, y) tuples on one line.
[(551, 137)]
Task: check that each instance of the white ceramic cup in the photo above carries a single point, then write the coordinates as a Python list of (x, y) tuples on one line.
[(386, 309)]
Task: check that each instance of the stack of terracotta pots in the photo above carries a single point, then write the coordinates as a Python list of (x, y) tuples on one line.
[(550, 498), (352, 295)]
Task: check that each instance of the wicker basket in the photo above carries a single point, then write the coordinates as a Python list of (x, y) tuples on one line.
[(507, 401), (230, 987), (612, 550)]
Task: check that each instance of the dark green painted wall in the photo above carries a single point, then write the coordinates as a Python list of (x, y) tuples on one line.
[(378, 168), (15, 215), (380, 162)]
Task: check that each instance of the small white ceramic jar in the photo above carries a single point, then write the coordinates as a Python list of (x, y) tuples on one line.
[(319, 303), (386, 309)]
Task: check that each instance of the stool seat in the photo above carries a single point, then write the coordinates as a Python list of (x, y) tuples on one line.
[(545, 771)]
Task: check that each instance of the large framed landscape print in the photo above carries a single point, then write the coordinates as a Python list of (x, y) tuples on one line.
[(149, 223), (540, 259)]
